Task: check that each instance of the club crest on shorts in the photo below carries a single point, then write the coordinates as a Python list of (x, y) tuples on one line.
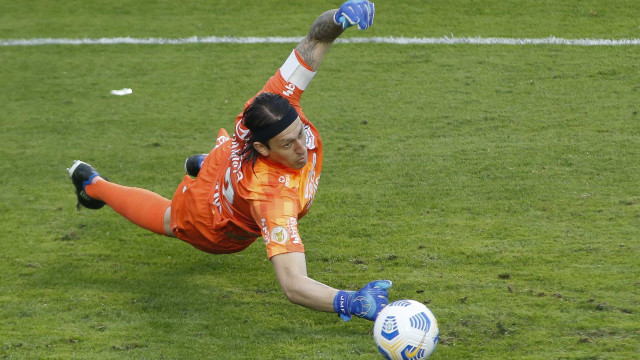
[(280, 235)]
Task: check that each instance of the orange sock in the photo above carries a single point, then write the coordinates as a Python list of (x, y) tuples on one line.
[(142, 207)]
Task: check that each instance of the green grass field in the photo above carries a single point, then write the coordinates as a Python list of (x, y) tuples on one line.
[(498, 184)]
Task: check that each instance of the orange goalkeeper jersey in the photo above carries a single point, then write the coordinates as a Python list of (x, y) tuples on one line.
[(246, 202)]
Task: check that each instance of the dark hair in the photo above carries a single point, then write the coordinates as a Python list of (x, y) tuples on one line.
[(266, 109)]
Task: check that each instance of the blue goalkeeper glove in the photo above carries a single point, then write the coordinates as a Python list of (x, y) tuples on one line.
[(366, 303), (355, 12)]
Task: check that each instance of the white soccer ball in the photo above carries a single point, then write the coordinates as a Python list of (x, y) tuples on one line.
[(406, 329)]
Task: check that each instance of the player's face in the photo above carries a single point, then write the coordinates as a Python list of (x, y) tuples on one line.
[(289, 148)]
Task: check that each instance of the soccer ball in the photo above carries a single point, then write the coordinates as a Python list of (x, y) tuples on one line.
[(406, 329)]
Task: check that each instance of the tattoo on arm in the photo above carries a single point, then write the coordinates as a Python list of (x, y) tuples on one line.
[(324, 29), (320, 37)]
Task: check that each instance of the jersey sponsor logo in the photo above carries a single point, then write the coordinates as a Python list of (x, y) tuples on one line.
[(228, 191), (280, 235), (216, 197), (237, 145), (265, 231), (236, 159), (292, 226), (311, 139), (284, 180), (311, 185), (221, 140), (241, 130)]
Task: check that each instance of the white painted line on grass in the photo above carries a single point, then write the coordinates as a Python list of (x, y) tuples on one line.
[(282, 40)]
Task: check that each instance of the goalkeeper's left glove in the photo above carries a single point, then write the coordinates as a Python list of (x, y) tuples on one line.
[(355, 12), (366, 303)]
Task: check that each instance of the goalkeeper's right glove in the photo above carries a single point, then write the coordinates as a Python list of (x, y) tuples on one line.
[(366, 303), (355, 12)]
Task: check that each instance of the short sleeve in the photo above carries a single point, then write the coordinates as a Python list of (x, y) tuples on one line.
[(278, 221)]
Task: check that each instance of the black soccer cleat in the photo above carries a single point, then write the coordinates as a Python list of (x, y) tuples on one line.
[(81, 175), (192, 164)]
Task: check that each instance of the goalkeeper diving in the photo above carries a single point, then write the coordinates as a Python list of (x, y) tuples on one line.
[(255, 183)]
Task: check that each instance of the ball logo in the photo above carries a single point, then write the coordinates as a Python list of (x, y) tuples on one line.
[(390, 328), (280, 235), (417, 351)]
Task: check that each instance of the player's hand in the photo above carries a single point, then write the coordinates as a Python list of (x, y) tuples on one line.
[(355, 12), (366, 303)]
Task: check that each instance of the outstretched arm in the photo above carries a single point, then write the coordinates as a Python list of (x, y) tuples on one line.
[(315, 45), (330, 25), (291, 270)]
